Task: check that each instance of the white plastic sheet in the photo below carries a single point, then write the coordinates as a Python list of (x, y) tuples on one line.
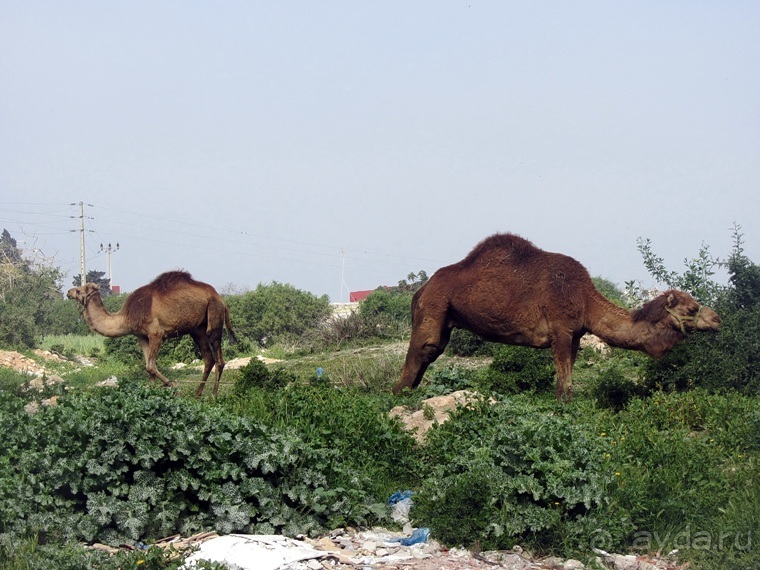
[(253, 552)]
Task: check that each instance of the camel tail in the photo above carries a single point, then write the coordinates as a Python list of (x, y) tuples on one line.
[(233, 338)]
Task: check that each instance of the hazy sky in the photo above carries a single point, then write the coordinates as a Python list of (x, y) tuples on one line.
[(342, 145)]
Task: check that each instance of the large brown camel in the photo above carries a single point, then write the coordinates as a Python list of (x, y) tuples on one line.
[(172, 305), (507, 290)]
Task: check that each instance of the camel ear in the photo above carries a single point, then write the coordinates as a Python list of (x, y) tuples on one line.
[(671, 300), (91, 287)]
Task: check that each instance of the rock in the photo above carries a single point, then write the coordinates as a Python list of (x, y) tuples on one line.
[(625, 561), (325, 543), (50, 401), (434, 411), (111, 382), (41, 382)]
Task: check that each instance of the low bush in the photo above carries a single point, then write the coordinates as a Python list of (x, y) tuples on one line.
[(122, 464), (465, 343), (350, 422), (256, 374), (684, 463), (516, 369), (612, 389), (517, 473), (446, 379)]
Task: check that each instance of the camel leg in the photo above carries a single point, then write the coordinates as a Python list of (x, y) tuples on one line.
[(150, 346), (215, 340), (216, 317), (201, 341), (428, 341), (564, 352), (145, 346)]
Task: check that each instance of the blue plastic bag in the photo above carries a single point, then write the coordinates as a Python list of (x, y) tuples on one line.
[(399, 496), (419, 535)]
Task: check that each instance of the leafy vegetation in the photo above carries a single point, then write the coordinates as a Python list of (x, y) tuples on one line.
[(515, 471), (728, 360), (28, 292), (276, 312), (516, 369), (99, 467), (649, 456)]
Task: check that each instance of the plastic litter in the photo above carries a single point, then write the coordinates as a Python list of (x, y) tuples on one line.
[(419, 535), (399, 496), (253, 552), (401, 503)]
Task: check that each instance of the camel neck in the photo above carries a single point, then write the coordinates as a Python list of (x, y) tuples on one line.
[(613, 324), (101, 321)]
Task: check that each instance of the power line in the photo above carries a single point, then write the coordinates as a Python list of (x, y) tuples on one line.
[(206, 237)]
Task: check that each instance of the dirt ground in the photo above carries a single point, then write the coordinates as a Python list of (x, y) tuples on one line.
[(24, 364)]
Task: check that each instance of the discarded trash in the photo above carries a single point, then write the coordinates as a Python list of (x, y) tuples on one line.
[(419, 535), (253, 552), (399, 496), (401, 501)]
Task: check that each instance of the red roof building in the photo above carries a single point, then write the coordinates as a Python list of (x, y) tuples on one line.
[(356, 296)]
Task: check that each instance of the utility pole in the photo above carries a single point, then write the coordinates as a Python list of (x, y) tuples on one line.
[(342, 274), (82, 271), (108, 251), (82, 268)]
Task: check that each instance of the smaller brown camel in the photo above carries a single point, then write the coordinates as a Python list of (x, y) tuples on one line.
[(509, 291), (172, 305)]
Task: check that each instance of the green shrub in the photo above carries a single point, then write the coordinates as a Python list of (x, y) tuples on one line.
[(681, 459), (612, 389), (275, 312), (726, 360), (256, 374), (394, 303), (465, 343), (30, 554), (351, 422), (515, 472), (444, 380), (124, 349), (118, 465), (516, 369)]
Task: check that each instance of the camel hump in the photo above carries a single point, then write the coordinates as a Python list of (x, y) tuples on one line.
[(512, 246), (138, 307), (170, 280)]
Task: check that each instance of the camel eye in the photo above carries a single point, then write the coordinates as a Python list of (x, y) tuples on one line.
[(693, 310)]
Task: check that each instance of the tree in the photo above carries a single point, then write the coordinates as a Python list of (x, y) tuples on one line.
[(28, 292), (609, 290), (9, 252), (276, 311), (393, 302), (727, 360), (697, 279), (98, 277)]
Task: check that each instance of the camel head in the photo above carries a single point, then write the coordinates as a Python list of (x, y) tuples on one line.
[(83, 294), (675, 314), (688, 315)]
